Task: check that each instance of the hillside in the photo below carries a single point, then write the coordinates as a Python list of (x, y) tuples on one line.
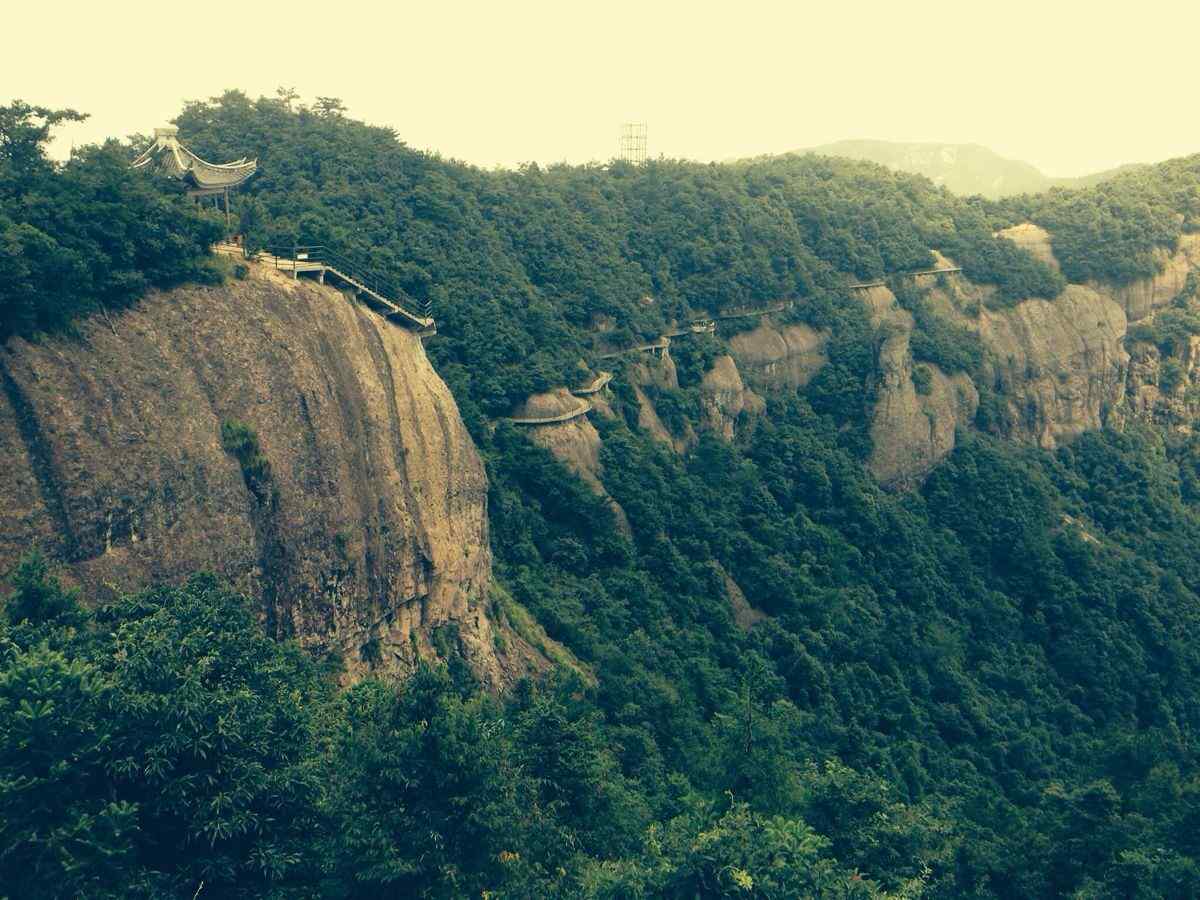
[(965, 169), (882, 586)]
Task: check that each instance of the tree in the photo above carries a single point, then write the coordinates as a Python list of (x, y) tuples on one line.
[(330, 107), (24, 133)]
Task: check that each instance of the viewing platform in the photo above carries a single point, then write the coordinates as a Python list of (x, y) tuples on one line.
[(696, 326), (661, 346)]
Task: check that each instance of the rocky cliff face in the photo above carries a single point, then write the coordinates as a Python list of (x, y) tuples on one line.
[(1142, 298), (725, 397), (368, 533), (1058, 366), (574, 442), (773, 357), (919, 408), (1054, 368)]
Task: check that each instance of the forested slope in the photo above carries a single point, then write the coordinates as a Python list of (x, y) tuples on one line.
[(787, 681)]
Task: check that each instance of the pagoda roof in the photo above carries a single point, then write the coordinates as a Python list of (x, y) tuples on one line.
[(178, 161)]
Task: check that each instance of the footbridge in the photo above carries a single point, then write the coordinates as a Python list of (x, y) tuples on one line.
[(660, 347), (696, 326), (745, 312), (597, 384), (923, 273), (377, 292), (582, 409)]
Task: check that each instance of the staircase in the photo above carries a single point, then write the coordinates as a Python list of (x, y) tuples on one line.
[(378, 293)]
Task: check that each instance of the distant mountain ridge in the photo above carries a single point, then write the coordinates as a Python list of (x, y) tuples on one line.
[(964, 169)]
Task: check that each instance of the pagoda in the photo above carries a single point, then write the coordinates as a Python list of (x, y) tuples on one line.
[(204, 179)]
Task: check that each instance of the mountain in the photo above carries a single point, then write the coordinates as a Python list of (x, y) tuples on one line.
[(845, 530), (965, 169)]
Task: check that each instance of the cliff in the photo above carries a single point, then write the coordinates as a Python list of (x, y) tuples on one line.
[(575, 442), (1055, 369), (771, 357), (919, 408), (362, 527), (725, 397), (1052, 370)]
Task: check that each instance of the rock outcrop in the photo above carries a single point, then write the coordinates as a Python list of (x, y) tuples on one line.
[(919, 409), (575, 442), (724, 397), (658, 374), (1141, 298), (367, 535), (1162, 391), (1035, 239), (779, 357), (1055, 369), (1059, 366)]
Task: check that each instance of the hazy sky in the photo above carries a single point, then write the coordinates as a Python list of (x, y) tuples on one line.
[(1069, 86)]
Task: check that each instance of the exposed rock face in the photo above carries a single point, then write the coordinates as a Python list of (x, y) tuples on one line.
[(1141, 298), (370, 532), (1060, 365), (575, 442), (745, 616), (659, 373), (912, 430), (1138, 299), (1162, 391), (1058, 368), (1035, 239), (725, 397), (649, 422), (783, 357)]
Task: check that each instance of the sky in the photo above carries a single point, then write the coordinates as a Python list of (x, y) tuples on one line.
[(1072, 87)]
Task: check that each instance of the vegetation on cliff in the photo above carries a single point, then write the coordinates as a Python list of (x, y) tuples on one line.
[(1110, 232), (985, 688), (524, 266)]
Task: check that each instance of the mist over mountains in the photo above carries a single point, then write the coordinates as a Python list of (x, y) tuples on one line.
[(965, 169)]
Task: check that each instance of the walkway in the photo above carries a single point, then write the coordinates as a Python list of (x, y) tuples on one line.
[(325, 263), (597, 385), (661, 345), (582, 409), (944, 270), (742, 312), (696, 326)]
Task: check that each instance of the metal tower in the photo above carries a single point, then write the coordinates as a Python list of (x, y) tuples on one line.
[(632, 143)]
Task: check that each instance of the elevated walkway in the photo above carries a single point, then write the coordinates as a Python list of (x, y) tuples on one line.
[(923, 273), (743, 312), (599, 383), (696, 326), (661, 346), (582, 409), (376, 292)]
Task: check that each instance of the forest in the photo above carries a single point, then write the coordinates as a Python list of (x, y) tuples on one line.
[(987, 687)]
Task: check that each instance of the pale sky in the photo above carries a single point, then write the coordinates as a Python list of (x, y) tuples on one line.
[(1070, 86)]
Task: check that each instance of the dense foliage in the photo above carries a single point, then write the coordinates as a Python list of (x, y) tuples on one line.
[(986, 688), (528, 270), (88, 235), (1110, 232)]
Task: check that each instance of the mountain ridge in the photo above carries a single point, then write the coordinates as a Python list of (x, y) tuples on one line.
[(966, 169)]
